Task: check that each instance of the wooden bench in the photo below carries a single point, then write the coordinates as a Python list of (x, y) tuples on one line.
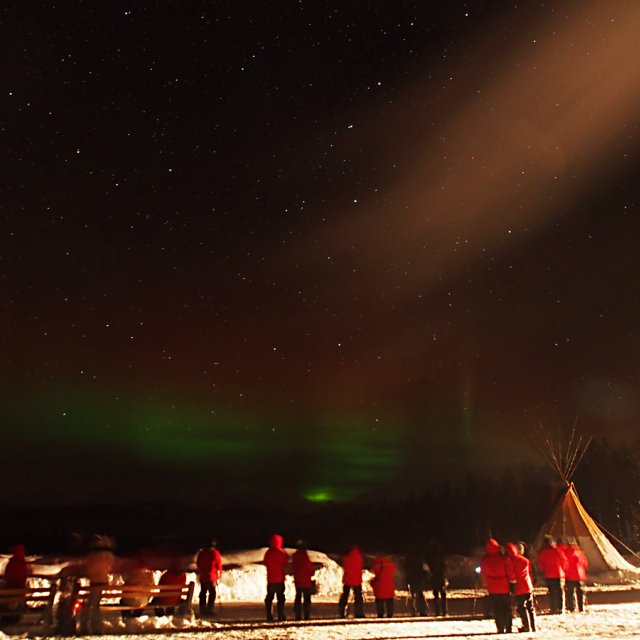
[(31, 604), (109, 598)]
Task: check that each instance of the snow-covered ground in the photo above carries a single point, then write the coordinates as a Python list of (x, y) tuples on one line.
[(605, 621), (240, 612)]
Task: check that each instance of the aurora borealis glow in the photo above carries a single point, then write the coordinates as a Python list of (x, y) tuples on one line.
[(315, 250)]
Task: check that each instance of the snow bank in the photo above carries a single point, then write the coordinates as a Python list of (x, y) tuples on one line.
[(245, 578)]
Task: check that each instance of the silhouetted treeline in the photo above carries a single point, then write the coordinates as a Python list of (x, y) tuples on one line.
[(460, 514)]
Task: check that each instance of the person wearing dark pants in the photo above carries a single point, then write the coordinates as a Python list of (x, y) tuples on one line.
[(497, 574), (358, 601), (275, 589), (303, 571), (576, 576), (416, 581), (523, 587), (352, 565), (437, 568), (552, 566), (209, 563), (383, 585), (275, 560)]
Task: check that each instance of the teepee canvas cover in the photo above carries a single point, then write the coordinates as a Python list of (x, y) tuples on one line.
[(571, 520)]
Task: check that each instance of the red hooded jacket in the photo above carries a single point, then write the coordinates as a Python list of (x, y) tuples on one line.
[(276, 560), (577, 564), (521, 570), (352, 565), (302, 569), (17, 570), (383, 571), (209, 563), (171, 577), (551, 562), (496, 570)]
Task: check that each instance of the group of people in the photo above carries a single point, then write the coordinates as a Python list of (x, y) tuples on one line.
[(508, 576), (99, 564), (505, 570), (384, 569)]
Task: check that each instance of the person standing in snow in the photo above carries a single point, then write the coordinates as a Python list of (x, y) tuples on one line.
[(496, 570), (209, 563), (437, 568), (523, 592), (416, 580), (576, 576), (17, 569), (352, 566), (16, 572), (98, 566), (303, 579), (384, 590), (552, 565), (275, 560)]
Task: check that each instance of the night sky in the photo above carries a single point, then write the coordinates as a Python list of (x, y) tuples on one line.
[(311, 249)]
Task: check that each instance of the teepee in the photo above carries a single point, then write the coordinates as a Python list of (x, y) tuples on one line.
[(569, 518)]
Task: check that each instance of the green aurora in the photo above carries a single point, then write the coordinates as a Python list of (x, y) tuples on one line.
[(333, 459)]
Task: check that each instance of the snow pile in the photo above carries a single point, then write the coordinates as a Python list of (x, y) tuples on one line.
[(245, 577)]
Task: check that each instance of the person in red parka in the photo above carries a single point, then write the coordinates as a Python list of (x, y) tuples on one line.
[(276, 560), (552, 565), (576, 576), (383, 586), (18, 569), (497, 574), (209, 563), (173, 576), (16, 572), (523, 592), (303, 571), (352, 566)]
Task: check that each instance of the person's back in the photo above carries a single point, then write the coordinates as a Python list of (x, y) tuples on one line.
[(551, 562), (576, 563), (384, 590), (437, 569), (98, 564), (413, 568), (496, 571), (523, 588), (302, 569), (384, 570), (576, 576), (521, 570), (275, 560), (352, 566), (173, 577), (209, 562), (18, 569), (436, 563), (552, 566)]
